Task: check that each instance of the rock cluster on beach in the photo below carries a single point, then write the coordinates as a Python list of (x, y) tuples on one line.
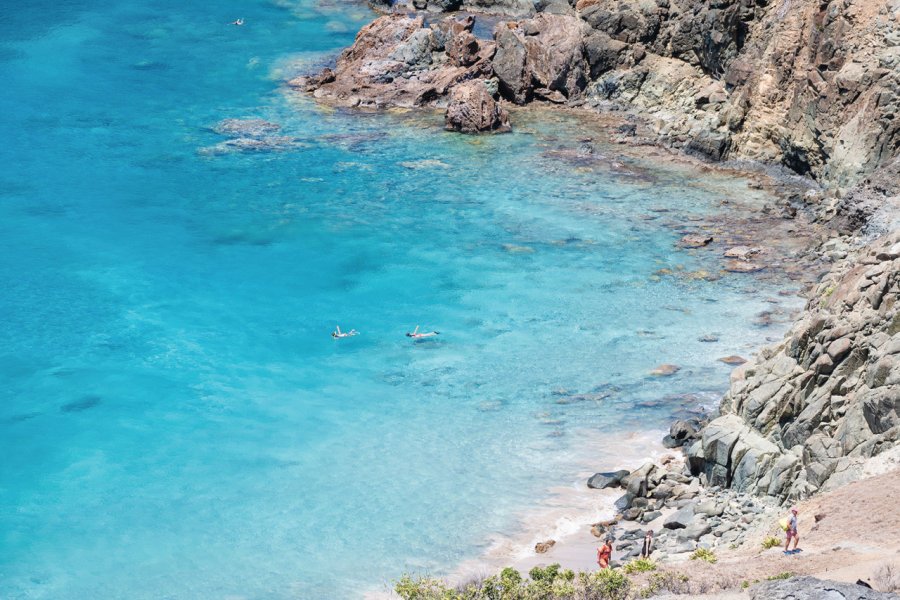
[(685, 515)]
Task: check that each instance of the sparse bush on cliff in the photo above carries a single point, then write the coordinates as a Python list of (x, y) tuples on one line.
[(704, 554), (665, 581), (639, 565), (543, 583), (770, 542)]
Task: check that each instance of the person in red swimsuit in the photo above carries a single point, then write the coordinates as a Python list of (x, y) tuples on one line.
[(604, 553)]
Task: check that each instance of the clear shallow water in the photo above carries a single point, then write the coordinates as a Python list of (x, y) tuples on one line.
[(175, 420)]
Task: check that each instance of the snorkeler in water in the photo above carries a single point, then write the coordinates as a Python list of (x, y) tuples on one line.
[(337, 333), (416, 335), (237, 22)]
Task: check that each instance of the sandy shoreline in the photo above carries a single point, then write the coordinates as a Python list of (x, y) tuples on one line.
[(565, 514)]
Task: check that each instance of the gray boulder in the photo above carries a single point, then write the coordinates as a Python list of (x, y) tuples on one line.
[(609, 479), (810, 588), (694, 531), (680, 519)]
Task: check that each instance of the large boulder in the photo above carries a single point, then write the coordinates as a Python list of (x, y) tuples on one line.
[(625, 20), (601, 481), (472, 109), (681, 518), (542, 57)]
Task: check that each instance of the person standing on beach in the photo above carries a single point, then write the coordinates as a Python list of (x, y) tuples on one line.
[(647, 549), (792, 532), (604, 553)]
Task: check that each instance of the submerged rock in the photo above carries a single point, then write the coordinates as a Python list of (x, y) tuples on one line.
[(665, 370), (733, 359), (246, 128), (696, 240)]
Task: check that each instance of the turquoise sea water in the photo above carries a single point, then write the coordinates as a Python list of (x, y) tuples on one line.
[(176, 422)]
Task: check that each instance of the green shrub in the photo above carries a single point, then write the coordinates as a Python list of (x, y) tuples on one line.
[(704, 554), (423, 588), (785, 575), (771, 542), (639, 565), (606, 584), (544, 583)]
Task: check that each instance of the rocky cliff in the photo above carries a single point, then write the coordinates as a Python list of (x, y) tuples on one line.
[(807, 413), (811, 84)]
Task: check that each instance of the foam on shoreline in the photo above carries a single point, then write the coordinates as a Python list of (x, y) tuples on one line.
[(564, 513)]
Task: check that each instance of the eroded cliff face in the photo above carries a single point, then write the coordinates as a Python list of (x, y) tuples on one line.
[(808, 412), (811, 84)]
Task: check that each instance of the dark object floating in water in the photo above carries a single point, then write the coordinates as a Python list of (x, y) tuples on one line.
[(81, 404)]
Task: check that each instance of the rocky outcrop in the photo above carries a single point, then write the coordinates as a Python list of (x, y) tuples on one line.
[(809, 411), (472, 109), (810, 588), (542, 57), (398, 60), (697, 517), (810, 84)]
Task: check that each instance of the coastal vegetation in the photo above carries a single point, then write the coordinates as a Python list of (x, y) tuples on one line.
[(639, 565), (704, 554), (542, 583), (771, 542)]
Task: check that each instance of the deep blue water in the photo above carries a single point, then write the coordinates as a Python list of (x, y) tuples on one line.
[(176, 422)]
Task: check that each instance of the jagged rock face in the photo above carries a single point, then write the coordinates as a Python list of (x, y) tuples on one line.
[(816, 87), (472, 109), (810, 588), (542, 57), (808, 83), (812, 84), (805, 414), (398, 60)]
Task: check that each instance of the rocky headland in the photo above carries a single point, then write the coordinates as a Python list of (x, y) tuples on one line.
[(803, 88)]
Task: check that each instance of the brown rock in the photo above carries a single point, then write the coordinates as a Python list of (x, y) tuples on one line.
[(473, 110), (543, 547), (696, 240), (740, 266), (665, 370), (399, 61), (544, 52), (733, 360), (838, 349), (741, 252)]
